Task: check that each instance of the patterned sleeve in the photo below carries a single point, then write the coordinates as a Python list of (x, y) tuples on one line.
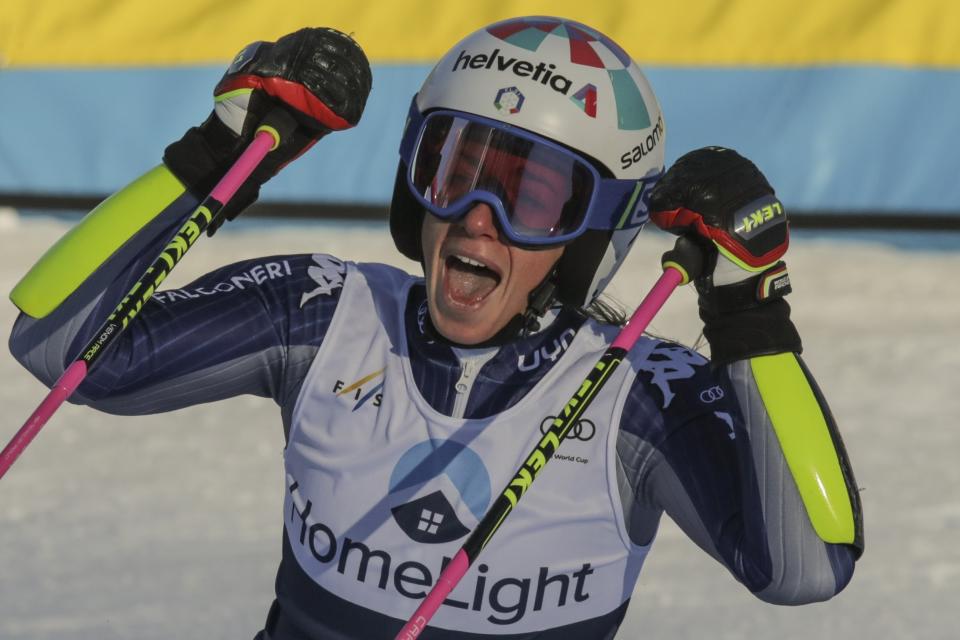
[(248, 328), (697, 443)]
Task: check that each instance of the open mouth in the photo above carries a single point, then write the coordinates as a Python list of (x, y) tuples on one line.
[(469, 281)]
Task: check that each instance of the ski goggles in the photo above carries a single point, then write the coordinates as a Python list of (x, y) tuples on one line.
[(541, 192)]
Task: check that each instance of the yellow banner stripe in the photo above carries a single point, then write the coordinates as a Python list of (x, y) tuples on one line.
[(696, 32)]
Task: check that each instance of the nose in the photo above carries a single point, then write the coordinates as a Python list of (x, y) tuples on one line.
[(479, 222)]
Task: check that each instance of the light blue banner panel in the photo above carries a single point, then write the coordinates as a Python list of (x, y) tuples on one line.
[(92, 131), (828, 138)]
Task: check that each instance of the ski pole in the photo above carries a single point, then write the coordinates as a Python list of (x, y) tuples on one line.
[(680, 265), (267, 138)]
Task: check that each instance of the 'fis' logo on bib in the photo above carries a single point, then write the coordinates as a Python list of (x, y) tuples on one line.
[(428, 481), (369, 388)]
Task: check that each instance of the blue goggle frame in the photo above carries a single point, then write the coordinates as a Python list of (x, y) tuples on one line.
[(613, 204)]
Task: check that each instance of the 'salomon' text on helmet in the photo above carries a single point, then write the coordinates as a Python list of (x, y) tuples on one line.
[(566, 82)]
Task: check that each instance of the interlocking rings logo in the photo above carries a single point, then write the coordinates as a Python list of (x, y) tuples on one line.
[(711, 395), (581, 430)]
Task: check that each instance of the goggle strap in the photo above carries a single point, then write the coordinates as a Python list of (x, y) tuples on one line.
[(629, 208)]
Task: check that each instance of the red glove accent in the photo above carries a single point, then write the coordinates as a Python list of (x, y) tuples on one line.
[(683, 219), (289, 92)]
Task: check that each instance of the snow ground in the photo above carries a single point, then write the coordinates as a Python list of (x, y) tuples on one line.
[(169, 526)]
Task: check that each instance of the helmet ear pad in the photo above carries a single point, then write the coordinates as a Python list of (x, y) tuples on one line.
[(406, 217), (578, 266)]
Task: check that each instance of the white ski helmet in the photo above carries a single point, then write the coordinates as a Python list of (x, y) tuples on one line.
[(569, 84)]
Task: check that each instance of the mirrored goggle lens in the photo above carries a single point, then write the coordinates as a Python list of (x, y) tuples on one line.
[(545, 192)]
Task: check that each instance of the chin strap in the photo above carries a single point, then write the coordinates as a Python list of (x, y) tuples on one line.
[(540, 299)]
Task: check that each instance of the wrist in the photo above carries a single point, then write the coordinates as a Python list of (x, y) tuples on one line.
[(755, 290), (760, 330), (204, 153)]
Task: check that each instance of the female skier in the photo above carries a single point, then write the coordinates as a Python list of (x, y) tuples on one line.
[(527, 168)]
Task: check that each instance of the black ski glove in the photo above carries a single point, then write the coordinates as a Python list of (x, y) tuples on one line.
[(725, 203), (319, 76)]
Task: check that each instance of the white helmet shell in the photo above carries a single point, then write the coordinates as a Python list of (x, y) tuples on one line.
[(567, 82), (559, 79)]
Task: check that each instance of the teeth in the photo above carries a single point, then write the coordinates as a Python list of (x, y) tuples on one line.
[(472, 263)]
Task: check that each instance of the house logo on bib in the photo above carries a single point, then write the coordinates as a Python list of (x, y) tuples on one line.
[(439, 490)]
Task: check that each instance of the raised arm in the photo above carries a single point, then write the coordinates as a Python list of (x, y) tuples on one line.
[(745, 456), (321, 79)]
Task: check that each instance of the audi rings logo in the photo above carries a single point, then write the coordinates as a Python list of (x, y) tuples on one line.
[(581, 430), (711, 395)]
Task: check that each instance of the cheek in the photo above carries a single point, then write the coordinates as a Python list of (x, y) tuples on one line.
[(531, 267), (431, 234)]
